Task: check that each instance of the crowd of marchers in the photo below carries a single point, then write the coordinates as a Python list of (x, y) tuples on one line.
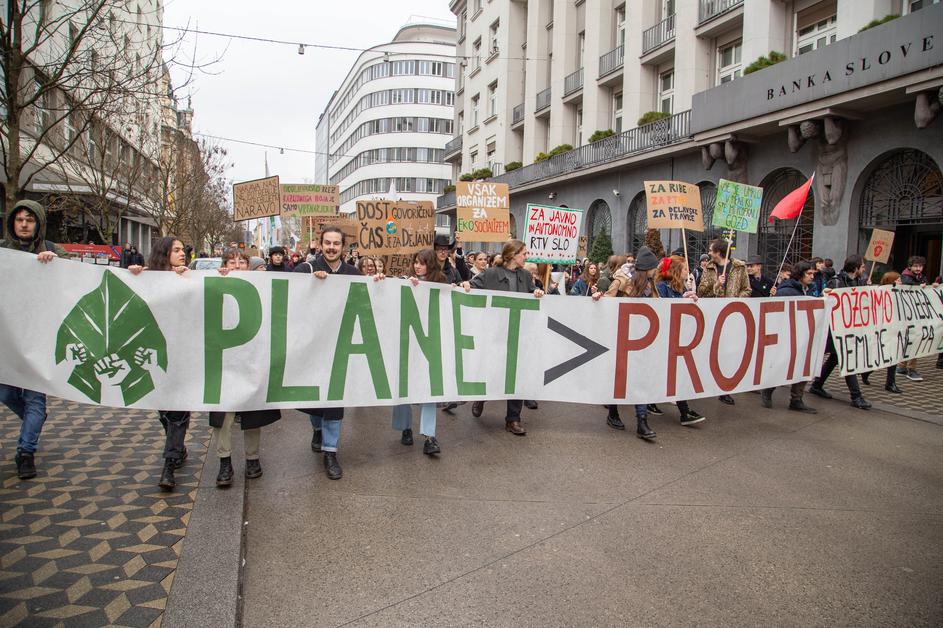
[(642, 275)]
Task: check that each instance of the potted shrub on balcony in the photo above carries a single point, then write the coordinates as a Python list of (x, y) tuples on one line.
[(654, 128), (764, 62), (513, 165)]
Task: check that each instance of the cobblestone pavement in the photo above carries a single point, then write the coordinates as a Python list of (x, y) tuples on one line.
[(92, 540), (925, 396)]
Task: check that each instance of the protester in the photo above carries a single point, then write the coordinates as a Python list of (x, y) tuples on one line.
[(849, 277), (785, 273), (613, 265), (912, 276), (828, 270), (890, 381), (26, 224), (257, 263), (127, 255), (586, 285), (760, 284), (367, 266), (380, 265), (481, 263), (426, 267), (444, 247), (495, 261), (724, 276), (168, 254), (701, 265), (277, 261), (510, 276), (326, 422), (817, 288), (797, 285)]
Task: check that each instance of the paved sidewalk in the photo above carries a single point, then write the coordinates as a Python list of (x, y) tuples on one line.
[(918, 398), (92, 541), (754, 517)]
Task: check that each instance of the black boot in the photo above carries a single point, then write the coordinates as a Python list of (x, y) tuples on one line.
[(766, 397), (182, 459), (25, 467), (431, 448), (654, 409), (224, 477), (614, 420), (530, 404), (892, 388), (643, 431), (407, 437), (727, 399), (331, 466), (818, 390), (477, 408), (167, 481), (861, 403), (797, 405), (253, 469), (316, 441)]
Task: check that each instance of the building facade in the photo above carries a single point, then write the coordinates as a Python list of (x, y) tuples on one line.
[(386, 126), (856, 106)]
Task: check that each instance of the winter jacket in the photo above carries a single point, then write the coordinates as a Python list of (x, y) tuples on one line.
[(248, 420), (908, 278), (817, 287), (38, 243), (320, 264), (284, 267), (499, 278), (619, 287), (605, 279), (581, 288), (665, 291), (790, 288), (737, 286), (844, 280), (760, 287)]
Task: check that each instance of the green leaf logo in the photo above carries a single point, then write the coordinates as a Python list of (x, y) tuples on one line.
[(110, 338)]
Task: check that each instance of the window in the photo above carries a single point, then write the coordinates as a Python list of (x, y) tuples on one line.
[(617, 112), (461, 122), (579, 127), (492, 99), (816, 35), (728, 62), (476, 54), (463, 25), (68, 130), (667, 8), (666, 85), (473, 158), (42, 113), (620, 26), (493, 38), (491, 162), (474, 117), (581, 50), (916, 5)]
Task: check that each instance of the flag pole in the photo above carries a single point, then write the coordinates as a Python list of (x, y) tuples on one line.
[(788, 246)]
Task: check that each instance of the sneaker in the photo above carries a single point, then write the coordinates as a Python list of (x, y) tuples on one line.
[(901, 370), (407, 437), (25, 466), (431, 447), (224, 477), (691, 417), (914, 376), (653, 409), (253, 469), (727, 399), (818, 391)]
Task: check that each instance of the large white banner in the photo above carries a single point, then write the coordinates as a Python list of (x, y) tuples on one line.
[(879, 326), (254, 340)]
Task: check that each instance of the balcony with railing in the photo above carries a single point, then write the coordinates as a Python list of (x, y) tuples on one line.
[(709, 9), (453, 147), (517, 114), (611, 61), (573, 83), (637, 141), (543, 100), (658, 35)]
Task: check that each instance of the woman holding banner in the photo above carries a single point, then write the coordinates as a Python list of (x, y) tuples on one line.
[(169, 255), (510, 276), (585, 286), (425, 268)]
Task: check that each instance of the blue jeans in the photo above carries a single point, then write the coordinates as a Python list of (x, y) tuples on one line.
[(330, 431), (30, 407), (403, 418)]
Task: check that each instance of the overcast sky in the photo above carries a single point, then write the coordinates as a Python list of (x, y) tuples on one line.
[(268, 93)]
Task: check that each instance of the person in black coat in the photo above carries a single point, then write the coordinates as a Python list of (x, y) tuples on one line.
[(277, 262), (797, 285), (760, 283), (458, 274)]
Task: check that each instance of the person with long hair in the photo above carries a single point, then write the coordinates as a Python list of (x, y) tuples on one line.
[(169, 254), (585, 286), (613, 265), (367, 266), (426, 268), (510, 276), (480, 263)]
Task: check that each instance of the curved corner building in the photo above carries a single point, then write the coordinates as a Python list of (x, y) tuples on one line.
[(387, 125)]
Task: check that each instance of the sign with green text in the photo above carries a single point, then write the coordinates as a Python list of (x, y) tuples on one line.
[(737, 206)]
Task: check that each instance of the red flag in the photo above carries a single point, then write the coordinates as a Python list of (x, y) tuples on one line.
[(792, 204)]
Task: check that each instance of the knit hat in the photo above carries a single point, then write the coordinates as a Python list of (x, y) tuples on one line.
[(255, 263), (645, 260)]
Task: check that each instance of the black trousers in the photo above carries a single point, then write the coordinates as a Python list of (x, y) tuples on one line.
[(830, 363), (176, 423)]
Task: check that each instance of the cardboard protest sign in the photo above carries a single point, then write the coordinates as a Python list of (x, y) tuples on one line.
[(552, 234), (879, 248), (306, 199), (482, 211), (312, 226), (394, 230), (673, 205), (875, 327), (582, 248), (737, 206), (380, 343), (258, 198)]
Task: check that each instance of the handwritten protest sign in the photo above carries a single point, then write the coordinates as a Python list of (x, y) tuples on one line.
[(879, 249), (582, 249), (306, 199), (313, 226), (394, 230), (552, 234), (737, 206), (673, 205), (482, 211), (879, 326), (258, 198)]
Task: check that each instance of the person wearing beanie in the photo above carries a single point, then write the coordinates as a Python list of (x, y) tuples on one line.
[(277, 261), (257, 263)]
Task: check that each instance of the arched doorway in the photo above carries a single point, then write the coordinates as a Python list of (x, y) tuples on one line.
[(636, 224), (699, 241), (598, 221), (903, 192), (773, 237)]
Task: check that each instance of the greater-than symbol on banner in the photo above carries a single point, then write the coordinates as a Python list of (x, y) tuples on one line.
[(592, 350)]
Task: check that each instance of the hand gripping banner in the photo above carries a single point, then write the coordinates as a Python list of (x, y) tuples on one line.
[(255, 340)]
